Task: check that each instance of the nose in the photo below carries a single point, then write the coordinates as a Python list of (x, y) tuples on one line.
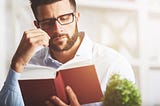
[(57, 27)]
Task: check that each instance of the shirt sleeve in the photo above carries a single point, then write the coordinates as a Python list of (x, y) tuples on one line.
[(10, 95)]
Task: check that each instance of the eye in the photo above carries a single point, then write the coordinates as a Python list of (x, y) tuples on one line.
[(65, 17), (45, 24)]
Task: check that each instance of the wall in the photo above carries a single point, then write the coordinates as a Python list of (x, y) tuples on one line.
[(2, 42), (129, 26)]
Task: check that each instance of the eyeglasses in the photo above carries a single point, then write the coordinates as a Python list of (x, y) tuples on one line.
[(63, 20)]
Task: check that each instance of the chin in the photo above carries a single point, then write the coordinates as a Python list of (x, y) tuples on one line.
[(59, 48)]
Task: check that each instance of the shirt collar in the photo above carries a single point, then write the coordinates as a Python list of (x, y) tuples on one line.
[(49, 61), (85, 49)]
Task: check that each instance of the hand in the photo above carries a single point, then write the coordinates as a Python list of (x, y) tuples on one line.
[(30, 41), (72, 98)]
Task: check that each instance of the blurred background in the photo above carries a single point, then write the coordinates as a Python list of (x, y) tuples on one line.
[(131, 27)]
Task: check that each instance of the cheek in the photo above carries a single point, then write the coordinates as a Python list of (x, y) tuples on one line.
[(71, 29)]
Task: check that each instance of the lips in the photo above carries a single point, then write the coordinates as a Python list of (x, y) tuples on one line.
[(55, 37)]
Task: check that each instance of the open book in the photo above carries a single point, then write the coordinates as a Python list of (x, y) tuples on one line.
[(39, 83)]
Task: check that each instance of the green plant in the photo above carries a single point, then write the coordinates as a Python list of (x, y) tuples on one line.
[(121, 92)]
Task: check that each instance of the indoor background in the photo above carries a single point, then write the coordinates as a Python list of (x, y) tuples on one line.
[(131, 27)]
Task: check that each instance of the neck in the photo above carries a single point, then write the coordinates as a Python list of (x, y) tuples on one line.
[(64, 56)]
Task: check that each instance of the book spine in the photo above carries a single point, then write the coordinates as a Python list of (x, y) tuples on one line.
[(60, 88)]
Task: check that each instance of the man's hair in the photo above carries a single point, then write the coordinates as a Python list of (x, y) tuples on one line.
[(36, 3)]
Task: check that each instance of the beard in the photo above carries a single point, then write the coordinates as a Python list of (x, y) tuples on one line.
[(70, 42)]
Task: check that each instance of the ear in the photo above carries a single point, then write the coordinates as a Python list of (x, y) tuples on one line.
[(36, 24), (77, 15)]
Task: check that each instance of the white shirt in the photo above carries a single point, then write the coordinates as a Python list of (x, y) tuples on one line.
[(106, 61)]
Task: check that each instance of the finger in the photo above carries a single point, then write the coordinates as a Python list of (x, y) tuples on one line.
[(35, 32), (40, 32), (58, 102), (40, 40), (72, 96), (36, 37)]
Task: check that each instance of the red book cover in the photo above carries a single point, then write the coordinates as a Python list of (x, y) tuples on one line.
[(81, 79)]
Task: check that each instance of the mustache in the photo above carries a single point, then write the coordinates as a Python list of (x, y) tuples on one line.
[(56, 35)]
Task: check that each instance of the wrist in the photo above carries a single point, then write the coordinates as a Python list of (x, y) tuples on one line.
[(17, 66)]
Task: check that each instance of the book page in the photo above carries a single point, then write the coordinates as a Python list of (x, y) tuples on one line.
[(77, 62), (38, 72), (32, 71)]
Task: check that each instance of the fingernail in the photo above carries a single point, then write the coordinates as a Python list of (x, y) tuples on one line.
[(67, 87), (53, 97)]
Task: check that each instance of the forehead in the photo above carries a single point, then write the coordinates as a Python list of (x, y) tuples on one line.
[(54, 9)]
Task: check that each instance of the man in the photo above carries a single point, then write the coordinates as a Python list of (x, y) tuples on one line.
[(57, 31)]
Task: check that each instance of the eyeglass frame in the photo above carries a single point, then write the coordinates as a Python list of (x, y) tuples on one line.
[(53, 20)]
